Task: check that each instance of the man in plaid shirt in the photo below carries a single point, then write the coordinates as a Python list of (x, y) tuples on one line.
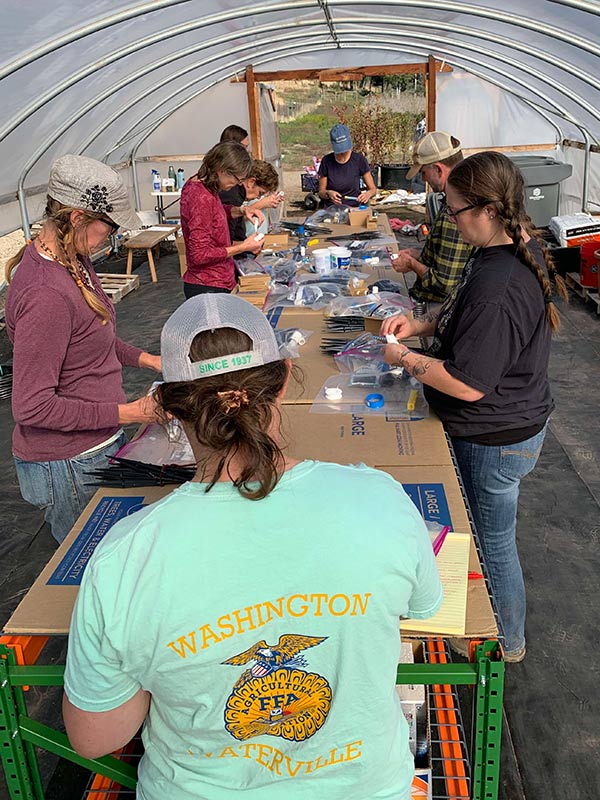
[(440, 264)]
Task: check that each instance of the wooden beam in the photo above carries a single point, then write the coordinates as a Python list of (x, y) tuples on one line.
[(431, 94), (511, 148), (594, 148), (180, 157), (253, 112), (325, 75)]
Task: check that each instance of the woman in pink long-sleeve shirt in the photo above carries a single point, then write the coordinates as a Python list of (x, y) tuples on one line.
[(68, 400), (208, 248)]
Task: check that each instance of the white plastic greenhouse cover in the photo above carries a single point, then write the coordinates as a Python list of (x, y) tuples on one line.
[(118, 79)]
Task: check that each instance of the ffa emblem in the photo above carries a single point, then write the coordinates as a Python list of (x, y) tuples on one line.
[(276, 697)]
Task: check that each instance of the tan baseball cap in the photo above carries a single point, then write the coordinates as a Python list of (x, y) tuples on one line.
[(436, 146)]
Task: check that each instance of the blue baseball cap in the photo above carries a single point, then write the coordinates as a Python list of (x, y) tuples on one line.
[(340, 138)]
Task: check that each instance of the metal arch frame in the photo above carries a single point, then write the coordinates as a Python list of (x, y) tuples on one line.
[(195, 24), (124, 137), (179, 73), (176, 30), (130, 129), (157, 123), (486, 13)]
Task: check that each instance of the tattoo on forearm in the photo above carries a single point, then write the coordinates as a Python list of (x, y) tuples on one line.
[(430, 316), (419, 368)]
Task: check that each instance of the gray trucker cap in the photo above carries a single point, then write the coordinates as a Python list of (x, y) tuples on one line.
[(208, 312)]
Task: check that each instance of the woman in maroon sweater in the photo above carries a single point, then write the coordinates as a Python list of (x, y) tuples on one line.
[(68, 400), (208, 248)]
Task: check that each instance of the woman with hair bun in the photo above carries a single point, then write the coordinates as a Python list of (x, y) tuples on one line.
[(486, 374), (68, 400), (238, 615)]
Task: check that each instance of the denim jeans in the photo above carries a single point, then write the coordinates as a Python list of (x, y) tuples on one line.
[(63, 488), (491, 477)]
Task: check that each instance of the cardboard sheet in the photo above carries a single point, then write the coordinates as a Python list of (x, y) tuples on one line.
[(372, 440)]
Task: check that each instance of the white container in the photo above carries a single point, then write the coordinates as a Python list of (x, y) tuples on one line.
[(340, 257), (322, 258)]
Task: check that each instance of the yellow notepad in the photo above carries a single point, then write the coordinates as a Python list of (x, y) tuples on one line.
[(453, 566)]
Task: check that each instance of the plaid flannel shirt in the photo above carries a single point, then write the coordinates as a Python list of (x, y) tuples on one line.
[(445, 255)]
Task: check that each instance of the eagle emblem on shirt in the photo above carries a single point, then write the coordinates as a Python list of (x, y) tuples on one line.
[(277, 696)]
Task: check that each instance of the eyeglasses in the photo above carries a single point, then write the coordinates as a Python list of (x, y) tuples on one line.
[(238, 179), (454, 214), (114, 226)]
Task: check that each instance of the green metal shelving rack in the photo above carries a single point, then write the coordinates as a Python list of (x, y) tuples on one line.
[(20, 735)]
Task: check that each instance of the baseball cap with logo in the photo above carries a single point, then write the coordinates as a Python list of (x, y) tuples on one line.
[(82, 182), (208, 312), (340, 138), (435, 146)]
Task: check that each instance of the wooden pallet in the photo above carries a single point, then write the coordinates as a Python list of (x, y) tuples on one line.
[(117, 286), (573, 282)]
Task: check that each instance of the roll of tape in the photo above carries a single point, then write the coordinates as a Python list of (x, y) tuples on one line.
[(374, 400)]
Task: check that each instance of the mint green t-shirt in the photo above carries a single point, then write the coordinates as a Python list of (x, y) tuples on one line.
[(267, 633)]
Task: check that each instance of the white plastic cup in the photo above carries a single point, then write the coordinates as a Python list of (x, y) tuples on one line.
[(340, 257), (322, 258)]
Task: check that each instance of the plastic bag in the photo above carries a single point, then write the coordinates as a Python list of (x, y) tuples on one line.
[(290, 340), (342, 276), (364, 348), (379, 305), (338, 215), (398, 398), (304, 295)]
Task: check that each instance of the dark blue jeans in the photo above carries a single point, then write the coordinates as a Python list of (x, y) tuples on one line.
[(491, 477), (63, 488)]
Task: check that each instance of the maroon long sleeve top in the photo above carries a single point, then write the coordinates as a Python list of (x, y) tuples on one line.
[(206, 236), (67, 382)]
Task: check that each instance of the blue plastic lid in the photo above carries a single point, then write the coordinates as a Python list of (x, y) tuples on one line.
[(374, 400), (362, 207)]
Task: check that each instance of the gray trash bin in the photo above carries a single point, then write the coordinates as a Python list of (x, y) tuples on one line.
[(542, 185)]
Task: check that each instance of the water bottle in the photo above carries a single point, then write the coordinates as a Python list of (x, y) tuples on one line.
[(172, 177), (180, 178), (156, 183)]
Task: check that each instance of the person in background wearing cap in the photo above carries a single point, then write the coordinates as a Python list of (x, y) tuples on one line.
[(68, 400), (238, 615), (204, 221), (439, 266), (340, 172)]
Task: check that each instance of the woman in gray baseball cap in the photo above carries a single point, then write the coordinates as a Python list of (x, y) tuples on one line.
[(237, 616), (68, 400)]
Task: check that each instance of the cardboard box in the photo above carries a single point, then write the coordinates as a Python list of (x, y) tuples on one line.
[(181, 253), (47, 606), (372, 440), (276, 241), (358, 217)]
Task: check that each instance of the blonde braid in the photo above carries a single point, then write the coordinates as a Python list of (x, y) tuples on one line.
[(65, 237)]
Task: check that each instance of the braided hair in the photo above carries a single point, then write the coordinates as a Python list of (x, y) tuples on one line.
[(492, 179), (72, 241)]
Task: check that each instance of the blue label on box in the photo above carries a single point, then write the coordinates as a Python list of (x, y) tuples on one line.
[(108, 511), (430, 499), (273, 315)]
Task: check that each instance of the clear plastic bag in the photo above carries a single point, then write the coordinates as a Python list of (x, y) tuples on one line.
[(311, 296), (338, 215), (364, 348), (333, 276), (290, 340), (400, 398), (378, 305)]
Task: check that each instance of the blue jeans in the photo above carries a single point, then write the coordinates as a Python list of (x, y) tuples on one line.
[(491, 477), (63, 488)]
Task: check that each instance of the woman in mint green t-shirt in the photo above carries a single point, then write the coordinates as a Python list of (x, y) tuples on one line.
[(250, 618)]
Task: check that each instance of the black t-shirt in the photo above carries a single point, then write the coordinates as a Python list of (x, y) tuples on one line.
[(495, 338), (237, 226), (344, 178)]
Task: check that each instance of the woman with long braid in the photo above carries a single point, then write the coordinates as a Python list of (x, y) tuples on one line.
[(486, 374), (68, 400)]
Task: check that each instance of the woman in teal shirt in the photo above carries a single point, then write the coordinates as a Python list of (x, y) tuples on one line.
[(248, 619)]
